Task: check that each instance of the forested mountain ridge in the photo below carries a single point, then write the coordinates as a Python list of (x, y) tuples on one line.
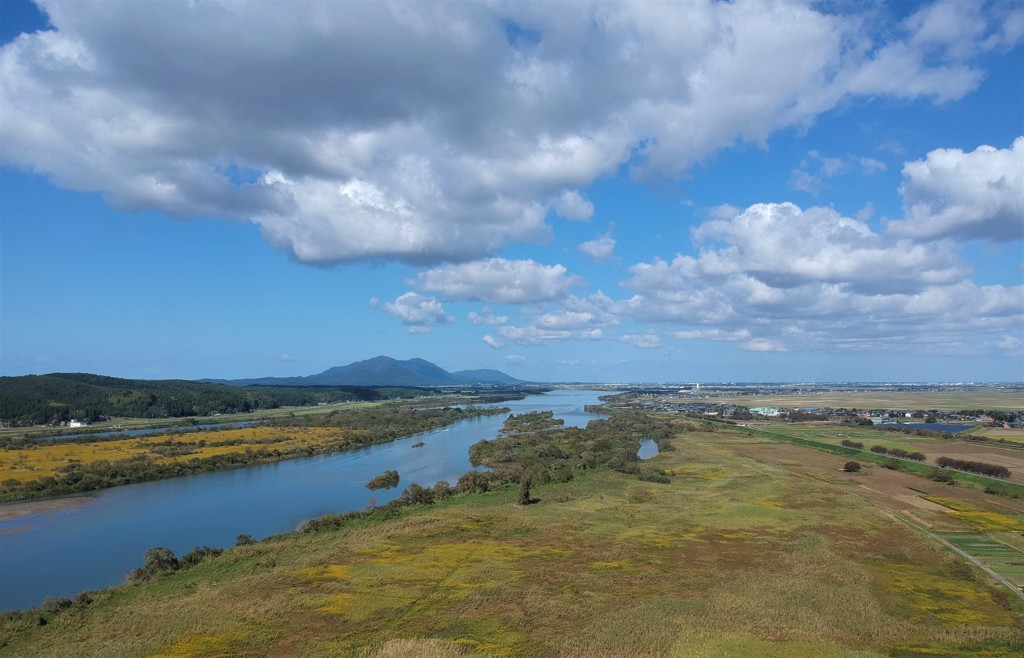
[(39, 399), (385, 371)]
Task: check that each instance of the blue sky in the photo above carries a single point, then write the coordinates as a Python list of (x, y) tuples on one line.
[(747, 191)]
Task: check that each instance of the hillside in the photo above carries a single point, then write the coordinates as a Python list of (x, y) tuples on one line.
[(733, 556), (386, 371), (39, 399)]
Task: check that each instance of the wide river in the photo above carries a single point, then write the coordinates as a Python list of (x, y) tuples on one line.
[(94, 541)]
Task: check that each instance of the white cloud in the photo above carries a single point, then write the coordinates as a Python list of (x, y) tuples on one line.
[(712, 334), (644, 341), (573, 205), (418, 131), (486, 319), (814, 170), (776, 277), (493, 342), (600, 248), (533, 336), (763, 345), (498, 280), (417, 312), (515, 359), (1011, 345), (973, 196)]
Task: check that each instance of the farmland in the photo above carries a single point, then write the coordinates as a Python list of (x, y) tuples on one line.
[(753, 548), (986, 398)]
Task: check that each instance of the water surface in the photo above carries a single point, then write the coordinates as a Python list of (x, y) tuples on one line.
[(68, 549)]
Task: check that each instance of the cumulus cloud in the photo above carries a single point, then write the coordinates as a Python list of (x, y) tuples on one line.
[(972, 196), (417, 312), (776, 277), (493, 342), (497, 280), (600, 248), (423, 132), (573, 205)]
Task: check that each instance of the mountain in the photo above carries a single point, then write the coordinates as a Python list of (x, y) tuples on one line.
[(385, 371), (485, 376)]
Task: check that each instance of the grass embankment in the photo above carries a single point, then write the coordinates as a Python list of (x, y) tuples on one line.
[(32, 469), (733, 557)]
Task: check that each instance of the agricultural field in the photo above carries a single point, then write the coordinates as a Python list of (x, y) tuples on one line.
[(1009, 455), (1012, 400), (754, 548)]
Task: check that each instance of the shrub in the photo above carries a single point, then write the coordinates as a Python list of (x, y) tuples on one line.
[(158, 560), (244, 539), (524, 490), (941, 476), (851, 467), (414, 494), (882, 450), (852, 444), (892, 464), (197, 555)]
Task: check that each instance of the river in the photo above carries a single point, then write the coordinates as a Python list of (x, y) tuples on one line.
[(93, 541)]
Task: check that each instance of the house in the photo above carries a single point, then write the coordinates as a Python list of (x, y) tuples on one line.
[(77, 423)]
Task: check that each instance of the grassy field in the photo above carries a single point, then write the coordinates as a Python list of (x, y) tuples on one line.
[(742, 554), (938, 400), (42, 460)]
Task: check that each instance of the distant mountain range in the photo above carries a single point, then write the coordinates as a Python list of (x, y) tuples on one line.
[(384, 371)]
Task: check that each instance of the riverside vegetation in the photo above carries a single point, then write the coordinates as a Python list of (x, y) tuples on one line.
[(33, 468), (722, 555)]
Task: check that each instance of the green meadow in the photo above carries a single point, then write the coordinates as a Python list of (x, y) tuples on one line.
[(732, 557)]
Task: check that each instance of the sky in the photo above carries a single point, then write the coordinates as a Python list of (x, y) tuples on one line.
[(748, 191)]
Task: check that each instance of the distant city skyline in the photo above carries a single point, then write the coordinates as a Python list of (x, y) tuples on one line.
[(594, 192)]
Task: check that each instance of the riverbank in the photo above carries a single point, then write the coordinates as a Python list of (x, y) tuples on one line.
[(734, 556), (51, 468)]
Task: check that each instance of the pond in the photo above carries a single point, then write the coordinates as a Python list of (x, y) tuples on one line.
[(94, 541)]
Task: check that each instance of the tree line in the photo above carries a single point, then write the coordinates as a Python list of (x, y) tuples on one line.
[(60, 397)]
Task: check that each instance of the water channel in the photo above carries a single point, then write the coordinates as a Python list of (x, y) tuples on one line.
[(93, 541)]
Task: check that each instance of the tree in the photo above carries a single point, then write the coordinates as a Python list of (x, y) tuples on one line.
[(524, 490), (244, 539), (851, 467)]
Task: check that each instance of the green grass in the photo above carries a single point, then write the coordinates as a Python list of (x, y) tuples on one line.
[(734, 557)]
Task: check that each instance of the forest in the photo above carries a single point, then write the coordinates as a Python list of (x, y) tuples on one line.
[(60, 397)]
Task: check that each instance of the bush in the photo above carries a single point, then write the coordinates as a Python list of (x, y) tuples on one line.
[(414, 494), (852, 444), (244, 539), (892, 464), (941, 476), (158, 560), (851, 467), (882, 450), (197, 555)]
